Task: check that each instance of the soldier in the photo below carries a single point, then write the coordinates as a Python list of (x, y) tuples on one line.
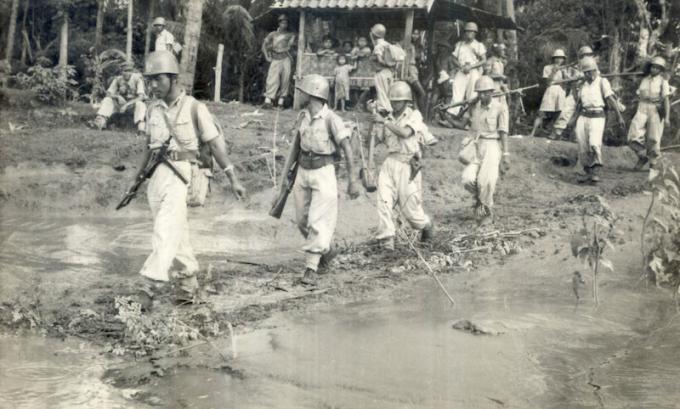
[(495, 68), (399, 180), (125, 92), (653, 114), (165, 41), (488, 131), (469, 57), (276, 49), (554, 96), (569, 106), (384, 75), (590, 118), (320, 135), (167, 193), (415, 59)]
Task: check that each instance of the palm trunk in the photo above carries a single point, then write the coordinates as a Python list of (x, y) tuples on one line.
[(24, 38), (63, 42), (615, 59), (12, 29), (149, 25), (98, 27), (128, 45), (193, 13)]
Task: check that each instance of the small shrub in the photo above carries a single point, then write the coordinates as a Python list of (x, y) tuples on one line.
[(52, 86)]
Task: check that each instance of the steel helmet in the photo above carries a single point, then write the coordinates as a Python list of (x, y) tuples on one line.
[(400, 91), (658, 61), (584, 50), (471, 26), (159, 21), (315, 85), (588, 64), (161, 62), (378, 31), (559, 53), (484, 83)]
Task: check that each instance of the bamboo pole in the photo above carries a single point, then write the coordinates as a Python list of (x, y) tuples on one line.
[(408, 31), (300, 52), (128, 46), (218, 73)]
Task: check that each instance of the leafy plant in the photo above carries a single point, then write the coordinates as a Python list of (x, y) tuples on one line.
[(53, 86), (589, 242), (660, 238), (100, 66)]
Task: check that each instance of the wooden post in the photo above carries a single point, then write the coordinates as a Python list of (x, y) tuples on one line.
[(218, 73), (298, 64), (128, 47), (63, 41), (408, 31)]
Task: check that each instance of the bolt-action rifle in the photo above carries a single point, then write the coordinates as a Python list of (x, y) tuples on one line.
[(611, 75), (494, 95)]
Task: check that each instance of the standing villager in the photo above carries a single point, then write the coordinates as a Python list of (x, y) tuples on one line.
[(652, 115), (554, 96), (384, 75), (590, 118), (488, 144), (125, 92), (400, 179), (276, 49), (320, 135), (416, 56), (569, 106), (165, 41), (469, 57), (185, 123)]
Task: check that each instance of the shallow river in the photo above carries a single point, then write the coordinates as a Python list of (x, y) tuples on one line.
[(543, 352)]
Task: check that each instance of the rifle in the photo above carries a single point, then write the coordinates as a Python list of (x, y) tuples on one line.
[(494, 95), (610, 75), (157, 157), (365, 173), (291, 174)]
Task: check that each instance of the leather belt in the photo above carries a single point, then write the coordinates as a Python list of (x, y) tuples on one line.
[(593, 113), (183, 156), (311, 160), (279, 55)]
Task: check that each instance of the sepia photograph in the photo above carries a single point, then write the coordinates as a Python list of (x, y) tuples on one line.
[(340, 204)]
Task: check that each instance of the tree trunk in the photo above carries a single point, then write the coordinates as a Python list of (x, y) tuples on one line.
[(128, 45), (10, 34), (615, 59), (101, 5), (26, 46), (242, 84), (511, 35), (63, 41), (193, 13), (149, 25)]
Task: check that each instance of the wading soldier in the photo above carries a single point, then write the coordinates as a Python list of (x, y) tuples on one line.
[(590, 118), (276, 49), (400, 181), (488, 132), (653, 113), (125, 92), (320, 134), (384, 75), (469, 56), (167, 193), (554, 96)]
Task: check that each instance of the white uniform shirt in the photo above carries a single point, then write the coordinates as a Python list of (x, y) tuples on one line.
[(314, 131), (469, 53), (412, 119), (653, 89), (488, 120), (593, 95), (164, 41)]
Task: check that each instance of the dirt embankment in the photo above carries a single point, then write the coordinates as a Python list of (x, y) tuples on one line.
[(54, 166)]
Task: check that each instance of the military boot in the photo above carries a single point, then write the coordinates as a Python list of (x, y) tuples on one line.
[(585, 178), (427, 234), (642, 161), (595, 174)]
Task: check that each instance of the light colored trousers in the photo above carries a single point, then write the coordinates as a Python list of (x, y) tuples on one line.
[(167, 196), (394, 187), (568, 110), (589, 132), (316, 210), (111, 106), (645, 132), (463, 87), (480, 176), (278, 78), (383, 80)]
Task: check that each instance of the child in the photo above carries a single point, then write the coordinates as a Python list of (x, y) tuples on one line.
[(361, 50), (346, 50), (342, 81), (327, 48)]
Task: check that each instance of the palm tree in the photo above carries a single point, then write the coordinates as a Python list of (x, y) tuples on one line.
[(193, 13), (239, 37)]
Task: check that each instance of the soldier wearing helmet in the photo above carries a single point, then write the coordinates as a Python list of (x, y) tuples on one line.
[(399, 181), (165, 41), (469, 56), (585, 51), (384, 75), (652, 115), (125, 92), (488, 133), (183, 123), (276, 50), (319, 136), (495, 68), (554, 95), (590, 117)]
